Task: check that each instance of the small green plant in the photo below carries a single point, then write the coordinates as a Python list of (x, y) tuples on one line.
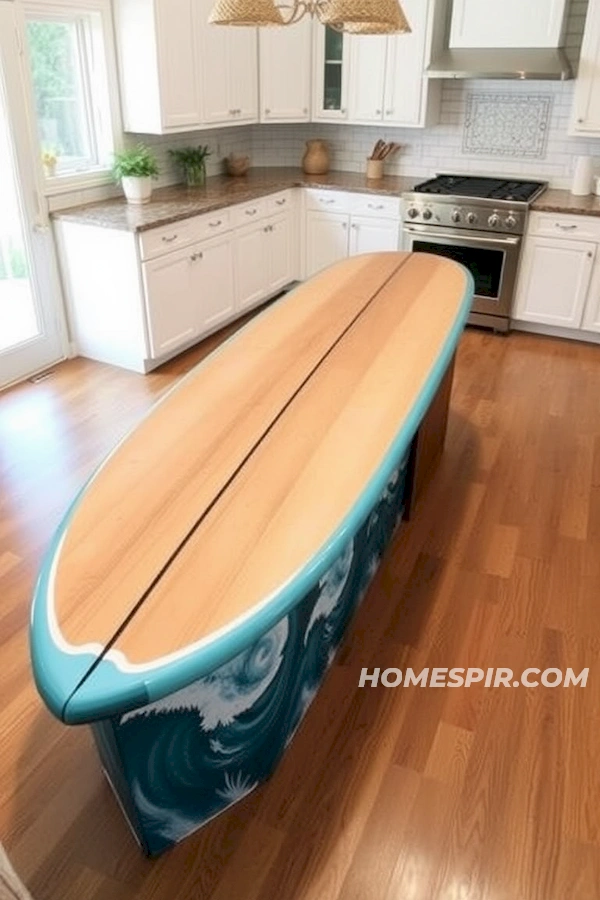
[(193, 162), (135, 162)]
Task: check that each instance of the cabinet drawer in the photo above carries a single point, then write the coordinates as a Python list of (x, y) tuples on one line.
[(167, 238), (581, 228), (375, 205), (246, 213), (212, 224), (328, 201), (277, 203)]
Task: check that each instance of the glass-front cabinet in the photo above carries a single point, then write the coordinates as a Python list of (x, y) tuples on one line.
[(331, 73)]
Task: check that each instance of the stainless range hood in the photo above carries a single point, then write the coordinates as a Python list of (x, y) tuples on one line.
[(535, 64)]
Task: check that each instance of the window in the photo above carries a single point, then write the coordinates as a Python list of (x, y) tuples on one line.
[(70, 86)]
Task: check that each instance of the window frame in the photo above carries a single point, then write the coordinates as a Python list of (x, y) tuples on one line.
[(113, 129)]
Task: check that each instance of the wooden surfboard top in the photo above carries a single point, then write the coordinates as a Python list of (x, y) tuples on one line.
[(240, 476)]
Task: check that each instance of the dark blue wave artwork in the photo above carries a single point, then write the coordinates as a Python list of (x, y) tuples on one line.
[(177, 763)]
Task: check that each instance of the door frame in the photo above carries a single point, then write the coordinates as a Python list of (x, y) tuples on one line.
[(52, 345)]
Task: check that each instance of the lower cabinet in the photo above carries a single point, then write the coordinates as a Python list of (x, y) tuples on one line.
[(263, 260), (372, 235), (333, 236), (213, 285), (170, 301), (326, 240)]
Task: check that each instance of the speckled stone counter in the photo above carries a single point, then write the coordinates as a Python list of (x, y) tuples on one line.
[(554, 201), (171, 204)]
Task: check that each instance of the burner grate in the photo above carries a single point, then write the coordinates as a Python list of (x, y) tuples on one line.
[(479, 187)]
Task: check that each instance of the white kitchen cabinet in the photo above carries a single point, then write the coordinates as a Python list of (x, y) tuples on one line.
[(326, 240), (331, 59), (229, 70), (250, 263), (280, 267), (586, 101), (510, 23), (285, 68), (370, 235), (171, 301), (213, 285), (368, 56), (387, 80), (554, 281), (158, 65)]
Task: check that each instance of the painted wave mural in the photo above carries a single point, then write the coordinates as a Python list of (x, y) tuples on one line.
[(178, 762)]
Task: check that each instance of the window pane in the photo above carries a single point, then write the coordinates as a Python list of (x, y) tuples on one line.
[(59, 88)]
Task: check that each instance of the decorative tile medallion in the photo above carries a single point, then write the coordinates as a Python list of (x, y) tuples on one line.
[(507, 125)]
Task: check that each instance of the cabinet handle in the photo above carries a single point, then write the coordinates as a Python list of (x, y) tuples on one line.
[(344, 225), (196, 256), (376, 205), (565, 227), (251, 212), (590, 254), (580, 121), (267, 112), (305, 111), (343, 111), (355, 226), (377, 112), (327, 202), (281, 202), (216, 224), (169, 240), (389, 112)]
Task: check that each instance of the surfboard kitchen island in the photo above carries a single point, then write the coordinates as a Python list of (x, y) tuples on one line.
[(198, 587)]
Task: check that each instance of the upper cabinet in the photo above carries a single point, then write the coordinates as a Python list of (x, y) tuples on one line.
[(586, 105), (387, 84), (285, 72), (509, 23), (178, 73), (330, 74)]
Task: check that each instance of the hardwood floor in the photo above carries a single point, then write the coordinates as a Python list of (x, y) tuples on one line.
[(385, 794)]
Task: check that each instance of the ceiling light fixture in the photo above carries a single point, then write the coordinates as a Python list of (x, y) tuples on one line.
[(353, 16)]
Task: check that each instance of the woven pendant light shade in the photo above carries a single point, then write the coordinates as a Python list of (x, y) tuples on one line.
[(398, 26), (245, 12), (343, 13)]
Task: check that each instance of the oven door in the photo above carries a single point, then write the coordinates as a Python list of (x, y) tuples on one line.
[(491, 259)]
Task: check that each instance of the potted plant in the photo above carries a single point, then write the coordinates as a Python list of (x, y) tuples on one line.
[(135, 168), (193, 162), (49, 160)]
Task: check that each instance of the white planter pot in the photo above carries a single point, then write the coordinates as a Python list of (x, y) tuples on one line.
[(137, 190)]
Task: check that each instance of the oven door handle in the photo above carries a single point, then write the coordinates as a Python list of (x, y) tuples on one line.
[(462, 237)]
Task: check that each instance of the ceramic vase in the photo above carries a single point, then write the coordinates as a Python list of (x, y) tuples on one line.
[(316, 158)]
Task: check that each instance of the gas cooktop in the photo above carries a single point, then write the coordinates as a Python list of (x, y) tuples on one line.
[(482, 188)]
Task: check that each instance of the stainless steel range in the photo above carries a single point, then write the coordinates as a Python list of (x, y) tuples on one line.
[(478, 222)]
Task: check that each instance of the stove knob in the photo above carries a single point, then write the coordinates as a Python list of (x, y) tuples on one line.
[(510, 221), (455, 216), (427, 214), (412, 212), (472, 218), (494, 220)]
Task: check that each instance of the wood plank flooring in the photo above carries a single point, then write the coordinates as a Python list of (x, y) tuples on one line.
[(385, 794)]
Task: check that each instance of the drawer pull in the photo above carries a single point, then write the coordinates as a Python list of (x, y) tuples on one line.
[(216, 224), (196, 256), (565, 227), (281, 202), (251, 212), (169, 240), (376, 205), (327, 202)]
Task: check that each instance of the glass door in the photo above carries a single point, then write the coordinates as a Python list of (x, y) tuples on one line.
[(31, 336)]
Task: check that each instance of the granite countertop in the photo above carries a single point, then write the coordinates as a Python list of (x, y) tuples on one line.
[(171, 204), (556, 201)]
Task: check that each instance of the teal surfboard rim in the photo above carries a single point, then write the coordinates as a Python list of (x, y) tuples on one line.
[(80, 688)]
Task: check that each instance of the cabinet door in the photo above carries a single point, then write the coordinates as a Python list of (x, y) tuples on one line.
[(213, 286), (279, 249), (554, 281), (330, 79), (285, 65), (511, 23), (367, 77), (178, 65), (373, 235), (170, 302), (326, 240), (214, 42), (586, 106), (251, 262), (405, 82), (242, 74)]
